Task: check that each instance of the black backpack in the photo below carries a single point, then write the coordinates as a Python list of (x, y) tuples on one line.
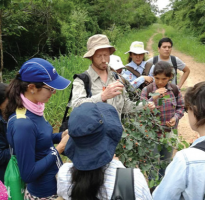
[(174, 63), (87, 83)]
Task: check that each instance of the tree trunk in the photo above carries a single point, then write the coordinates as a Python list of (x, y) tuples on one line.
[(1, 47)]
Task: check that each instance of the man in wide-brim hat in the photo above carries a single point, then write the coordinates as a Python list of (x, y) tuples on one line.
[(104, 86)]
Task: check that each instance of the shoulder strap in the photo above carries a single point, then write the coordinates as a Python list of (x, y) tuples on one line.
[(87, 83), (200, 145), (124, 185), (174, 62), (136, 73), (155, 60), (147, 69), (175, 90)]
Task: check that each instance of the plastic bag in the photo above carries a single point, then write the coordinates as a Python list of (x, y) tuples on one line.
[(13, 182)]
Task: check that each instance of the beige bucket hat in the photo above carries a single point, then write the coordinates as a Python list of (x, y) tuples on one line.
[(137, 48), (96, 42)]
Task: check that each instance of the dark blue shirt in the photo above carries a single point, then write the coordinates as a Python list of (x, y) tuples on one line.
[(4, 148), (32, 138)]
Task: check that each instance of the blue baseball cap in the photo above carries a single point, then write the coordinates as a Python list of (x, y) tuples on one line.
[(38, 70), (95, 130)]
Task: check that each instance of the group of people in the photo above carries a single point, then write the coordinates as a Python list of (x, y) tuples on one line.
[(94, 126)]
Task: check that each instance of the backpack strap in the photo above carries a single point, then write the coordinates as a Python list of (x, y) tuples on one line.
[(149, 89), (124, 185), (175, 90), (85, 77), (136, 73), (147, 69), (155, 60), (200, 145)]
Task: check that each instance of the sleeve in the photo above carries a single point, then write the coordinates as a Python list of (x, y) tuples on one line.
[(57, 137), (151, 71), (180, 64), (140, 186), (24, 145), (137, 82), (64, 181), (4, 151), (150, 60), (179, 107), (130, 106), (80, 96), (174, 181)]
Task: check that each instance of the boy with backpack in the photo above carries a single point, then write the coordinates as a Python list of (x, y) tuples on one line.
[(165, 49)]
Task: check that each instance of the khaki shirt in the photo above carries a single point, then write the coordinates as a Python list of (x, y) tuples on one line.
[(121, 102)]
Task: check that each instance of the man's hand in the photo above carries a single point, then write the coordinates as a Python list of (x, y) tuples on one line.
[(171, 122), (112, 90)]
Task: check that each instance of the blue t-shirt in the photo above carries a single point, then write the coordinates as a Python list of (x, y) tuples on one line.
[(32, 139)]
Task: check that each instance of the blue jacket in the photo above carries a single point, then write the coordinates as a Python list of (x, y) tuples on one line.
[(32, 138), (4, 148)]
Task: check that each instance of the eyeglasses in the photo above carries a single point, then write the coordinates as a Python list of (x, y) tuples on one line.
[(50, 89)]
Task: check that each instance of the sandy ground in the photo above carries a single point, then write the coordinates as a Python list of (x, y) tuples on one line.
[(197, 74)]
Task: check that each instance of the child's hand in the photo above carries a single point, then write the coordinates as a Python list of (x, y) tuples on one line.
[(148, 79), (161, 92), (171, 122)]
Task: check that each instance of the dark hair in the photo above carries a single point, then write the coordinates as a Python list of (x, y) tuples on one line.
[(130, 59), (15, 88), (163, 67), (87, 184), (195, 100), (165, 40), (3, 92)]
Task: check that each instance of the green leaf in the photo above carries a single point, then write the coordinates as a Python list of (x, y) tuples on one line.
[(129, 145), (166, 96), (160, 102)]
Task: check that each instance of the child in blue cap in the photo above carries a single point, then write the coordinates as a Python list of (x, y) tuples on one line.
[(29, 134)]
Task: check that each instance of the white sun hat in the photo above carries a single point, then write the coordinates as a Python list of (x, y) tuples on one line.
[(116, 62), (137, 48)]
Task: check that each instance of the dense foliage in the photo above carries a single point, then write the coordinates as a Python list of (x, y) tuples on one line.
[(45, 28), (187, 15)]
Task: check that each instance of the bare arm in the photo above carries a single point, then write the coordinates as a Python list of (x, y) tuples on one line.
[(186, 71)]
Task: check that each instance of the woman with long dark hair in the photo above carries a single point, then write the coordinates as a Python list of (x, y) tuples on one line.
[(94, 130), (29, 134)]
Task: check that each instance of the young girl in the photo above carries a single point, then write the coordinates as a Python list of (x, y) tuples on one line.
[(185, 177), (29, 134), (171, 109), (137, 65)]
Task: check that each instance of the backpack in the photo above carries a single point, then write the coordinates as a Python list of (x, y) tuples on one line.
[(173, 86), (124, 185), (87, 83), (144, 73), (174, 63)]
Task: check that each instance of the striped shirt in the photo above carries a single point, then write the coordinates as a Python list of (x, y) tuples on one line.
[(140, 185)]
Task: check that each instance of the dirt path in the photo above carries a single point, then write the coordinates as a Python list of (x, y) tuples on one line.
[(197, 74)]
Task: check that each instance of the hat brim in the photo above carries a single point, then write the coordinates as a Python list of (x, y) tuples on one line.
[(97, 150), (92, 51), (137, 52), (60, 83), (118, 67)]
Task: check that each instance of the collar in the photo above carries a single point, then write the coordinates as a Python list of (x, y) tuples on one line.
[(135, 66), (95, 75), (168, 86), (198, 140)]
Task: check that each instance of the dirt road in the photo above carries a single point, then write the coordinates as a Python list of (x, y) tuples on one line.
[(197, 74)]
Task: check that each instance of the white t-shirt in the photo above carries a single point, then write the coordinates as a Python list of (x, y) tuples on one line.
[(180, 65), (140, 185)]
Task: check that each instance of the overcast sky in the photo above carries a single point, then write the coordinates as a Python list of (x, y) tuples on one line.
[(162, 3)]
